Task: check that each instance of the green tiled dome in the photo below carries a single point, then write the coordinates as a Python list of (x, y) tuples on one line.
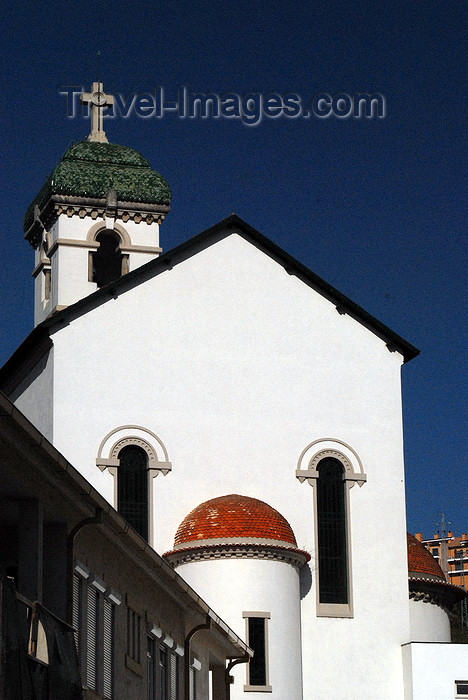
[(90, 169)]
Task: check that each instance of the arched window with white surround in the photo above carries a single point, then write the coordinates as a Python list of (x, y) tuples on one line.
[(134, 456), (332, 467)]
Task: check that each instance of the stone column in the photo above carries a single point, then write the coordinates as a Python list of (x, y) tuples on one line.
[(218, 686)]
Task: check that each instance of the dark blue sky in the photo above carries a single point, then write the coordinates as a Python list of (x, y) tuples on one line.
[(375, 206)]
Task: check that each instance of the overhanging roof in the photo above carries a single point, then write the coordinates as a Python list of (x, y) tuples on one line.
[(33, 459)]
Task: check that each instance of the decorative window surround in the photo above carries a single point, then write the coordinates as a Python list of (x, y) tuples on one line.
[(148, 442), (330, 447), (461, 689), (265, 616), (108, 458), (353, 472)]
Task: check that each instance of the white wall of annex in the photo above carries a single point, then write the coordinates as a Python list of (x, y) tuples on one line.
[(432, 669), (428, 622), (237, 366), (262, 586)]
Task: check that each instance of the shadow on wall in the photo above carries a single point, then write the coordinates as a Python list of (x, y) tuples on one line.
[(305, 580)]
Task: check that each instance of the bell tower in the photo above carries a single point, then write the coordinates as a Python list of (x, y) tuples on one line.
[(96, 218)]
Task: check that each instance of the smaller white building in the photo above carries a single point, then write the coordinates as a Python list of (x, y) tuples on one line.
[(242, 553)]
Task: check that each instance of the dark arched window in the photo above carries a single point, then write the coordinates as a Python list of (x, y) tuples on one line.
[(132, 488), (107, 260), (331, 531)]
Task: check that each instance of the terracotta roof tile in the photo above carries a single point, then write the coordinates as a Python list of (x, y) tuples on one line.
[(420, 560), (234, 516)]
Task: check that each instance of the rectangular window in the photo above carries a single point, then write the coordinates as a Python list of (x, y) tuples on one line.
[(108, 648), (150, 668), (257, 639), (91, 637), (163, 685), (461, 688), (133, 634)]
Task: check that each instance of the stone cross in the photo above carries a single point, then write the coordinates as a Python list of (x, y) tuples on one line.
[(98, 101)]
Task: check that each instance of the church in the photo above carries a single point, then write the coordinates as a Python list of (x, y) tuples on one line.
[(244, 418)]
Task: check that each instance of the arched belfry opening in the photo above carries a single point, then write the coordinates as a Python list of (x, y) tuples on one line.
[(107, 260)]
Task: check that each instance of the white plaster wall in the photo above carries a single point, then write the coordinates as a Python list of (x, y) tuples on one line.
[(235, 586), (34, 396), (428, 623), (237, 366), (432, 669)]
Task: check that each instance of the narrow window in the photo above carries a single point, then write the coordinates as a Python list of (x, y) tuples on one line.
[(107, 260), (461, 688), (108, 648), (257, 639), (163, 673), (46, 283), (91, 637), (133, 634), (257, 667), (331, 526), (150, 668), (132, 488)]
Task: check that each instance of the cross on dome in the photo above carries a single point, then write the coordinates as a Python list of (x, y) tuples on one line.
[(98, 101)]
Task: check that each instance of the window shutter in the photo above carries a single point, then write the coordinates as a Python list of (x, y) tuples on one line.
[(91, 637), (76, 610), (108, 648), (173, 664), (192, 683)]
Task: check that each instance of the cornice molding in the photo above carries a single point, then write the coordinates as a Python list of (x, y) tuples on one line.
[(296, 557)]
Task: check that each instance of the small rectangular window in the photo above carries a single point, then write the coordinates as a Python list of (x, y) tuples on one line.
[(163, 685), (257, 639), (150, 668), (133, 634), (461, 688)]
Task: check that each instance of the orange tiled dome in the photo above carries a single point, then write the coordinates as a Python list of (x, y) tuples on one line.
[(421, 561), (234, 517)]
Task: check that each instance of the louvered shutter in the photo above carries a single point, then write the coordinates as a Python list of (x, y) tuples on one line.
[(91, 637), (76, 610), (173, 663), (192, 683), (108, 648)]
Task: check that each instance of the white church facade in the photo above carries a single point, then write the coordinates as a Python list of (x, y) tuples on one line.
[(245, 417)]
